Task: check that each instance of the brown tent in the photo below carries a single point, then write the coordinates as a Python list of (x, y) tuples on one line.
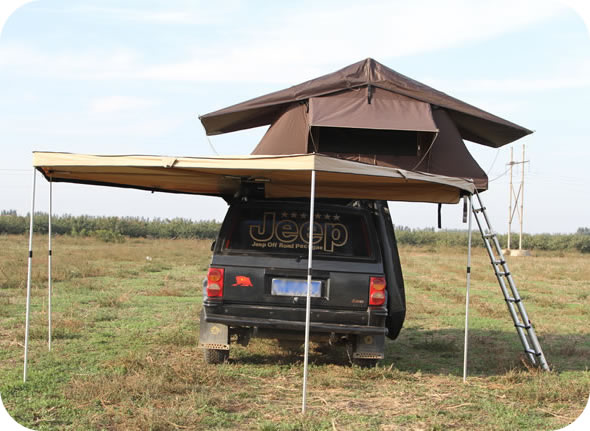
[(370, 113)]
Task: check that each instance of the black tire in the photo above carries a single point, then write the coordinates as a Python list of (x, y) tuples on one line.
[(365, 363), (215, 356)]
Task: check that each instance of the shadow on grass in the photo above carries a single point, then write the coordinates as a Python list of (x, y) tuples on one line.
[(491, 352), (334, 355)]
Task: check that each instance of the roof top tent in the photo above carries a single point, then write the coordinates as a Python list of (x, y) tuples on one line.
[(369, 113)]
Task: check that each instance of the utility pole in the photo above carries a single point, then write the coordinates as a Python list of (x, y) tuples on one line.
[(516, 195)]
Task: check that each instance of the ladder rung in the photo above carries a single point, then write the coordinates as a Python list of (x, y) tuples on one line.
[(506, 274), (478, 210), (521, 325), (489, 235), (498, 262), (532, 352), (514, 300)]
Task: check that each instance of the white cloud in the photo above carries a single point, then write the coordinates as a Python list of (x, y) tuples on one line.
[(292, 46), (340, 34), (83, 125), (571, 74), (155, 16), (120, 103), (21, 60)]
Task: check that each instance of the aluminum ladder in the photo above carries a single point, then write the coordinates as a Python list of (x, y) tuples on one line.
[(522, 323)]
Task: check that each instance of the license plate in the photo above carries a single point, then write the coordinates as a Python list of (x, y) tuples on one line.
[(292, 287)]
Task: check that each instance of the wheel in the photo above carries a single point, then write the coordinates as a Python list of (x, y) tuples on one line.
[(215, 356), (365, 363)]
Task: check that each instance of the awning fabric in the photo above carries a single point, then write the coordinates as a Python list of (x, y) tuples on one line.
[(285, 176)]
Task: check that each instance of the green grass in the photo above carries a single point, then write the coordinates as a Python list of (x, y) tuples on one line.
[(125, 330)]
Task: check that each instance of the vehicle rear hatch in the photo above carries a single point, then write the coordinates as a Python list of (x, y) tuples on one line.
[(263, 248)]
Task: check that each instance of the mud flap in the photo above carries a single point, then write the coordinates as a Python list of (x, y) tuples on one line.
[(213, 335), (369, 347)]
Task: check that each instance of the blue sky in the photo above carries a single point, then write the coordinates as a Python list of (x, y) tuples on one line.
[(112, 77)]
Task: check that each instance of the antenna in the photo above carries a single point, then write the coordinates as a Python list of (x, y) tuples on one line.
[(517, 195)]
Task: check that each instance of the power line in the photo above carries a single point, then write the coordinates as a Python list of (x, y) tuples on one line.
[(494, 162), (500, 176)]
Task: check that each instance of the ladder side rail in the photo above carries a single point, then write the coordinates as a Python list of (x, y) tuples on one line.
[(530, 331), (530, 337), (513, 312), (519, 323)]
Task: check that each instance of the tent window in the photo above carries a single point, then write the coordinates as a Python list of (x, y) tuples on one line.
[(364, 141)]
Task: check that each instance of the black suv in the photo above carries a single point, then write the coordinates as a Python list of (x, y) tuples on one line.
[(257, 281)]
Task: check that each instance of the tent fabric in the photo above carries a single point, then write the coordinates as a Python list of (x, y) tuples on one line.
[(293, 133), (287, 135), (449, 155), (386, 111), (473, 124), (284, 176)]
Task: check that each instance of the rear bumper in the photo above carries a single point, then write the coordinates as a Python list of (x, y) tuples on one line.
[(284, 318)]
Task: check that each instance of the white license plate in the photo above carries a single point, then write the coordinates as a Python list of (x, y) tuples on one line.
[(293, 287)]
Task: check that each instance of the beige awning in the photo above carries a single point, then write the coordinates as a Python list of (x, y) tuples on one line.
[(284, 176)]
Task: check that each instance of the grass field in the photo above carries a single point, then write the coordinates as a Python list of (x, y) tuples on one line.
[(125, 330)]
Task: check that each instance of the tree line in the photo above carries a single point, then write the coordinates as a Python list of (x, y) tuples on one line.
[(109, 228), (116, 229)]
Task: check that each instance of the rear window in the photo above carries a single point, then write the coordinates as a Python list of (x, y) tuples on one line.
[(337, 233)]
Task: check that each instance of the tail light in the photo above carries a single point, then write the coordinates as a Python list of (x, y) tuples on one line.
[(215, 282), (377, 292)]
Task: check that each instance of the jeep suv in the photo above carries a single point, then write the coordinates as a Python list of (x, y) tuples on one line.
[(257, 281)]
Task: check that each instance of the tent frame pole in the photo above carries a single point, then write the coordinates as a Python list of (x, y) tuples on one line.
[(29, 273), (49, 275), (308, 296), (465, 341)]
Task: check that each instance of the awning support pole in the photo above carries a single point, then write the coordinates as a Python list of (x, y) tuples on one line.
[(465, 342), (29, 273), (308, 299), (49, 253)]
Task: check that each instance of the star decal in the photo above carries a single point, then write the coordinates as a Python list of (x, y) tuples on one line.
[(327, 216), (293, 215), (284, 214), (336, 217)]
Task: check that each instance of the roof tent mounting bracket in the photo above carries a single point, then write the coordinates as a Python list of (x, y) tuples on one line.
[(243, 179), (251, 187), (369, 93)]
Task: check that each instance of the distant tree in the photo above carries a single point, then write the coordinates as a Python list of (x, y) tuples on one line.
[(583, 231)]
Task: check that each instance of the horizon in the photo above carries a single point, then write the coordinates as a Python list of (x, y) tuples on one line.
[(581, 230)]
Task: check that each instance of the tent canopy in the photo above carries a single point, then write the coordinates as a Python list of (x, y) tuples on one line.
[(392, 130), (285, 176), (473, 124)]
